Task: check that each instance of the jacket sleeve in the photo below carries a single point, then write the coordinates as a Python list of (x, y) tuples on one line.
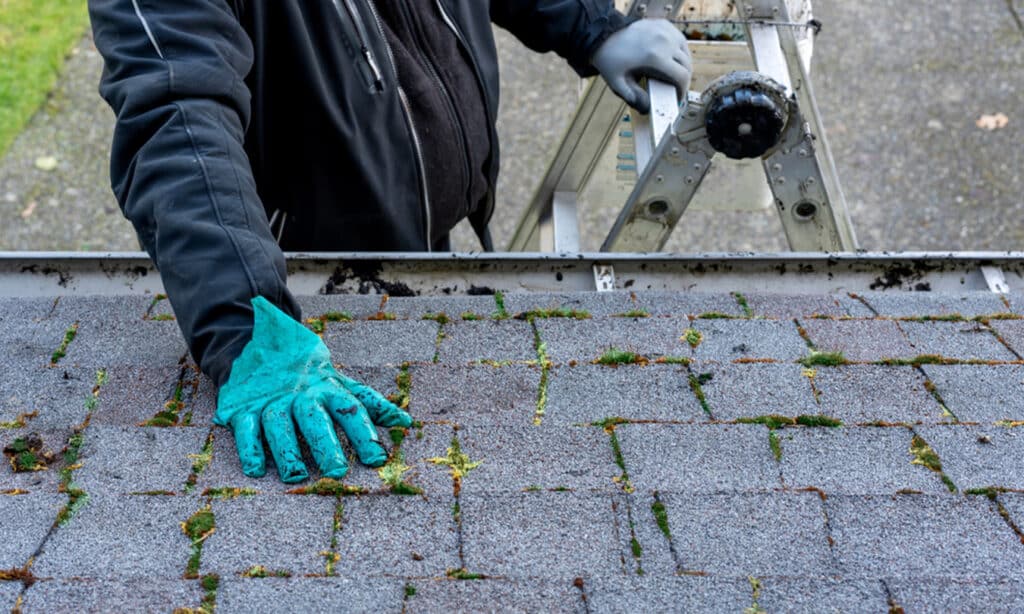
[(174, 74), (573, 29)]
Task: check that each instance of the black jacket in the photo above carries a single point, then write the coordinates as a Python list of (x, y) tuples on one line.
[(231, 110)]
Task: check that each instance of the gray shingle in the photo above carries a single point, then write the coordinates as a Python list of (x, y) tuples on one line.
[(588, 393), (597, 304), (790, 306), (58, 395), (728, 340), (859, 340), (452, 306), (698, 459), (125, 459), (978, 457), (27, 520), (1012, 332), (358, 306), (667, 594), (9, 592), (912, 536), (854, 461), (121, 536), (860, 394), (520, 457), (133, 395), (956, 595), (393, 535), (960, 340), (1014, 504), (657, 557), (586, 340), (533, 595), (820, 595), (419, 445), (668, 303), (550, 534), (737, 391), (980, 393), (274, 595), (744, 535), (374, 344), (285, 533), (917, 304), (470, 395), (465, 342), (100, 596)]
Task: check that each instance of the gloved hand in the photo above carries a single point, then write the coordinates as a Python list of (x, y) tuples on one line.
[(284, 377), (651, 48)]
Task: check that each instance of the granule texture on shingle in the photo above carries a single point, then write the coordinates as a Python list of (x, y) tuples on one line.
[(125, 459), (597, 304), (465, 342), (33, 481), (132, 395), (657, 557), (920, 304), (667, 594), (912, 536), (859, 340), (519, 457), (279, 532), (474, 395), (958, 340), (669, 303), (101, 596), (518, 596), (414, 308), (57, 395), (980, 393), (587, 340), (978, 456), (728, 340), (381, 379), (114, 333), (862, 394), (1014, 504), (533, 534), (749, 535), (956, 595), (588, 393), (120, 536), (397, 535), (329, 594), (26, 520), (750, 390), (9, 592), (854, 461), (379, 343), (419, 445), (1012, 332), (697, 458), (799, 306), (814, 595), (356, 306)]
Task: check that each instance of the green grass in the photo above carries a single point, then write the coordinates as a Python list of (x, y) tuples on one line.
[(35, 37)]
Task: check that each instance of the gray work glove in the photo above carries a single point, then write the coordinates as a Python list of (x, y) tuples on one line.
[(651, 48)]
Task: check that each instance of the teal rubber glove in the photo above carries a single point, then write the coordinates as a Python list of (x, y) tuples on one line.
[(283, 378), (652, 48)]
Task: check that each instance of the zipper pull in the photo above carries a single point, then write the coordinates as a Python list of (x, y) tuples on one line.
[(378, 77)]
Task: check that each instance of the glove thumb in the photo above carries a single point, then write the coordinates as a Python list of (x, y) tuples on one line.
[(630, 91)]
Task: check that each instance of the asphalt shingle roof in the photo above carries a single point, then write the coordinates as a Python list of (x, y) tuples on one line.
[(727, 462)]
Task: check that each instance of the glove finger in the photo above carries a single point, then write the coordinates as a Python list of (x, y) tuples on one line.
[(350, 414), (317, 428), (641, 99), (279, 430), (671, 72), (382, 411), (246, 428), (683, 58)]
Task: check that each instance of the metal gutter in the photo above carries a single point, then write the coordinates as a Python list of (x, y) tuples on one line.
[(115, 273)]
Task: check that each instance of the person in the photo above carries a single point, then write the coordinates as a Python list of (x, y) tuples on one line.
[(249, 127)]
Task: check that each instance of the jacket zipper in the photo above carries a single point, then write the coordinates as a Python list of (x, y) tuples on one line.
[(417, 148), (364, 48), (449, 101), (483, 91)]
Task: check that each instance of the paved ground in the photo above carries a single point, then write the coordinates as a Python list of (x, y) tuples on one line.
[(901, 86), (715, 473)]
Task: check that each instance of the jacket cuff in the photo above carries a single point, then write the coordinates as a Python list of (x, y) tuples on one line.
[(596, 34)]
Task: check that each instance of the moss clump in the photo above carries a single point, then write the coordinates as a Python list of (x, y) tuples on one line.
[(775, 445), (456, 460), (500, 312), (716, 315), (404, 382), (327, 487), (462, 574), (337, 316), (227, 493), (197, 528), (926, 456), (774, 421), (259, 571), (634, 313), (410, 590), (169, 416), (26, 454), (917, 361), (620, 461), (392, 475), (440, 318), (674, 360), (200, 462), (20, 421), (316, 325), (824, 359), (755, 608), (162, 317), (556, 312), (950, 317), (614, 357), (610, 422), (661, 518), (693, 337), (469, 316), (744, 305), (697, 382), (61, 351)]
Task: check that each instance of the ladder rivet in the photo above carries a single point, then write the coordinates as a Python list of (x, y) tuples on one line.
[(689, 180), (811, 181), (660, 178), (675, 151), (697, 167), (780, 180), (804, 153), (777, 167)]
